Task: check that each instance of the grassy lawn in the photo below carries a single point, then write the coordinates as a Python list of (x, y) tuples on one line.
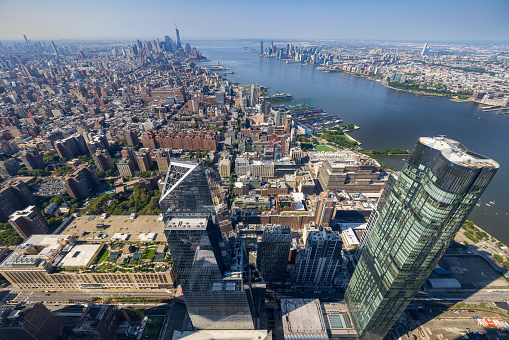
[(104, 256), (324, 148), (153, 327), (149, 254)]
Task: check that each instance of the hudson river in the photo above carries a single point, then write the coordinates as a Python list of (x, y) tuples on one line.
[(387, 118)]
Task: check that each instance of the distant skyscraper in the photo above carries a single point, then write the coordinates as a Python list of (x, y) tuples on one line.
[(26, 40), (179, 45), (261, 47), (209, 270), (435, 192), (55, 51), (168, 44), (272, 253), (424, 49), (255, 94)]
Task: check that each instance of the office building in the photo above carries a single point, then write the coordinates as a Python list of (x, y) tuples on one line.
[(32, 159), (435, 192), (60, 263), (9, 167), (210, 270), (36, 323), (216, 295), (318, 263), (186, 191), (14, 195), (102, 160), (272, 254), (179, 44), (28, 221), (125, 167), (347, 170)]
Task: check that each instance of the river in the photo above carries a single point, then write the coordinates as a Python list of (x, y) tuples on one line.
[(387, 118)]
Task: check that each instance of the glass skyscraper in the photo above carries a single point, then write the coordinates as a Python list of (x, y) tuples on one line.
[(208, 268), (186, 192), (272, 253), (420, 215)]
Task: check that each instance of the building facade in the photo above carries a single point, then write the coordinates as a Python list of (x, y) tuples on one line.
[(209, 269), (28, 221), (318, 262), (423, 210), (272, 253)]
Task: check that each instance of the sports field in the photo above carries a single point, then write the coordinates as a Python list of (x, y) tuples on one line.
[(324, 148)]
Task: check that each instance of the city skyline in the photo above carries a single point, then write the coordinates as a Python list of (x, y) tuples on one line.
[(338, 20)]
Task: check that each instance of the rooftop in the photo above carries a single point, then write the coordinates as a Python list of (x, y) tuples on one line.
[(187, 223), (303, 319), (456, 153)]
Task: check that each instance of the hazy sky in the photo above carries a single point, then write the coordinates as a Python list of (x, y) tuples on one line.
[(259, 19)]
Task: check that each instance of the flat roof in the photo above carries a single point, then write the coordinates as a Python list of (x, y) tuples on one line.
[(229, 334), (80, 255), (114, 224), (303, 317), (457, 153)]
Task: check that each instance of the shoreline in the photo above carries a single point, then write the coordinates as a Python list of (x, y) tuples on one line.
[(358, 75)]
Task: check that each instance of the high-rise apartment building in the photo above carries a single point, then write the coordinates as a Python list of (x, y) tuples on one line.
[(125, 167), (210, 271), (144, 160), (14, 195), (28, 221), (163, 160), (9, 167), (32, 159), (71, 146), (81, 182), (423, 210), (102, 160), (131, 137), (318, 262), (272, 253)]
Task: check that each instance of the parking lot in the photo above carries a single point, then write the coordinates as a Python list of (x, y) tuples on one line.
[(473, 272)]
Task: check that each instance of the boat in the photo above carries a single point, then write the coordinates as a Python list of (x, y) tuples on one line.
[(488, 205), (492, 202)]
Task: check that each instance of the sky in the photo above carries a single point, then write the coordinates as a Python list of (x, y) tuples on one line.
[(429, 20)]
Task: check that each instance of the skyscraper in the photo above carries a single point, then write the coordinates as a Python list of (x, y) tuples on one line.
[(272, 253), (318, 263), (422, 212), (179, 45), (209, 270), (55, 51), (186, 192), (261, 47)]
